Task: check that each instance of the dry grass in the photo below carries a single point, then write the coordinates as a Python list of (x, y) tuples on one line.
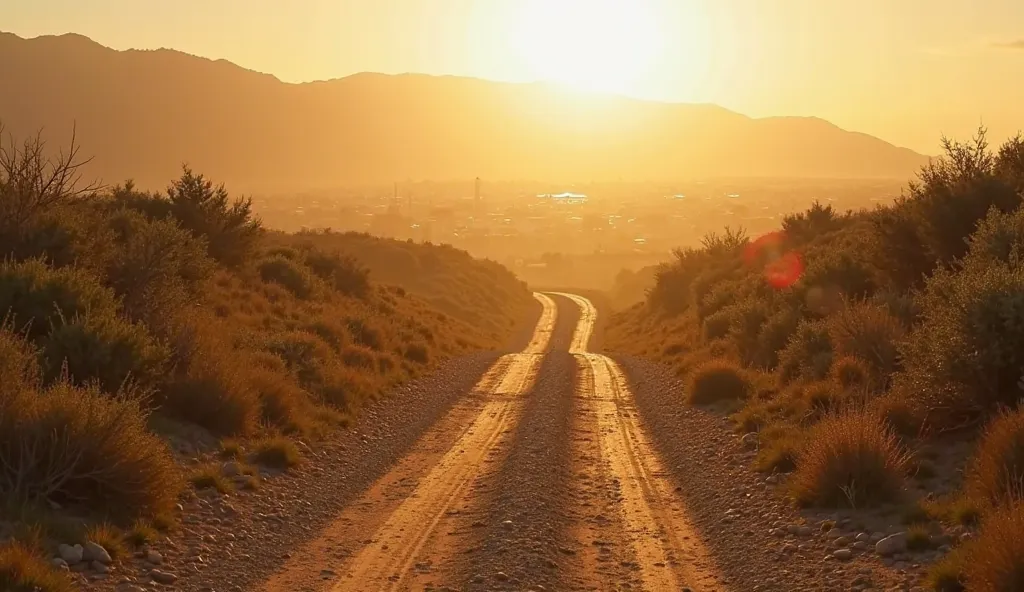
[(717, 381), (22, 569), (850, 459), (780, 448), (996, 560), (74, 443), (851, 373), (948, 574), (210, 477), (108, 537), (277, 452), (997, 470), (141, 533)]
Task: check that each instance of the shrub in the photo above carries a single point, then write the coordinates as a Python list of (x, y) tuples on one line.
[(78, 444), (849, 459), (210, 388), (775, 335), (37, 296), (229, 228), (870, 333), (996, 559), (851, 373), (23, 569), (716, 381), (108, 537), (997, 469), (210, 477), (277, 452), (899, 413), (808, 353), (158, 266), (19, 369), (417, 352), (108, 350), (965, 358), (284, 404), (343, 273), (948, 574), (716, 325), (780, 447), (291, 275)]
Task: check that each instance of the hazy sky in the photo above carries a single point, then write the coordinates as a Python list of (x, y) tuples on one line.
[(905, 70)]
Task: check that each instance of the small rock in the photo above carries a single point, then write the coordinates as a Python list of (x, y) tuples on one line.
[(841, 542), (154, 557), (843, 554), (891, 545), (804, 531), (749, 440), (95, 552), (59, 563), (875, 537), (100, 567), (501, 576), (231, 469), (772, 480), (162, 577), (864, 537), (71, 554)]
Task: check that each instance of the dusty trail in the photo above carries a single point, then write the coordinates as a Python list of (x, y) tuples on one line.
[(403, 517), (632, 529)]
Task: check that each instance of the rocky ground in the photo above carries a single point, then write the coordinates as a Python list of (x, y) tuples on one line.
[(760, 540), (519, 528)]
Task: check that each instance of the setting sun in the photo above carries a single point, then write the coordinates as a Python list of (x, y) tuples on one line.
[(595, 45)]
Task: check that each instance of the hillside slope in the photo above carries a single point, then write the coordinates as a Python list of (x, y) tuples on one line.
[(145, 112)]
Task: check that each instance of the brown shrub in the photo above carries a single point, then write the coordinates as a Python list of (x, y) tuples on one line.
[(851, 459), (284, 404), (997, 470), (716, 381), (851, 373), (277, 452), (23, 569), (780, 447), (996, 559), (867, 331), (79, 444), (211, 388)]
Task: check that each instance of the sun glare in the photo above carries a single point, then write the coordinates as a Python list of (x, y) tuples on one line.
[(594, 45)]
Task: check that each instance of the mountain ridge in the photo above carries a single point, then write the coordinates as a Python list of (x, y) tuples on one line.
[(144, 112)]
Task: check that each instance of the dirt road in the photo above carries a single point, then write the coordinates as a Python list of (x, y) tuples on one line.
[(551, 483)]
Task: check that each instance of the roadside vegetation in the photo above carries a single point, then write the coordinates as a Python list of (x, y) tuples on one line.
[(138, 330), (858, 350)]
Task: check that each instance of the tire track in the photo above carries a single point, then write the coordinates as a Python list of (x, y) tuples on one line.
[(401, 518), (657, 543)]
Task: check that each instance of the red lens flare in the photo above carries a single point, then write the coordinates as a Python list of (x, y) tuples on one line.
[(782, 268)]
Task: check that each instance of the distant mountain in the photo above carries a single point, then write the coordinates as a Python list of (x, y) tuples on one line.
[(143, 113)]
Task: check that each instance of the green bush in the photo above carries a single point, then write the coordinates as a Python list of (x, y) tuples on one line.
[(808, 354), (230, 229), (108, 350), (868, 332), (289, 274), (965, 358), (158, 267), (37, 297), (343, 273)]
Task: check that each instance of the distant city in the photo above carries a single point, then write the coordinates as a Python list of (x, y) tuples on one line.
[(538, 229)]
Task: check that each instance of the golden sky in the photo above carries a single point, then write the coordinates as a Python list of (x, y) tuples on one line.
[(904, 70)]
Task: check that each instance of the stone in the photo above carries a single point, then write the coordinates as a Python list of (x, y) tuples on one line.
[(154, 557), (71, 554), (162, 577), (95, 552), (231, 469), (875, 537), (749, 440), (841, 542), (100, 567), (863, 537), (59, 563), (892, 544), (843, 554)]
